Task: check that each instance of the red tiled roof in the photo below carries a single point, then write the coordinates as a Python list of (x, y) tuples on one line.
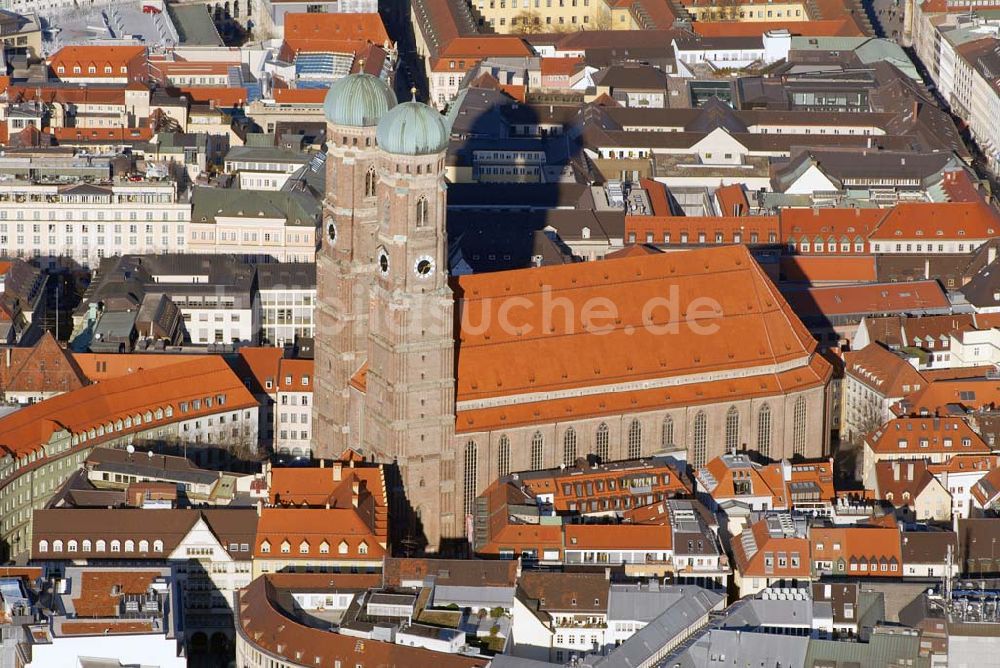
[(901, 482), (217, 96), (868, 298), (314, 526), (104, 403), (754, 563), (732, 200), (916, 436), (317, 487), (560, 66), (84, 56), (959, 187), (300, 95), (658, 227), (267, 626), (936, 221), (618, 536), (849, 225), (840, 27), (295, 375), (96, 596), (829, 268), (313, 32), (102, 366), (123, 135), (106, 627), (45, 367), (755, 325), (971, 393), (884, 371), (859, 545)]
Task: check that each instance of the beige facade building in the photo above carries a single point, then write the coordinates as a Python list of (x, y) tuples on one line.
[(532, 368)]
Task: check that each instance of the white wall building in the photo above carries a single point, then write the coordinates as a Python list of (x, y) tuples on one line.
[(88, 222)]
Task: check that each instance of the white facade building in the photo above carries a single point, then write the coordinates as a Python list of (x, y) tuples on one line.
[(88, 222)]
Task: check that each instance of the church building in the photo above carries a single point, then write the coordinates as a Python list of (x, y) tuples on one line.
[(461, 381)]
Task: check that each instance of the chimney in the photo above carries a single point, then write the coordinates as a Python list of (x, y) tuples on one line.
[(786, 470), (895, 470), (909, 471), (337, 470), (991, 255), (8, 357), (322, 463), (260, 507)]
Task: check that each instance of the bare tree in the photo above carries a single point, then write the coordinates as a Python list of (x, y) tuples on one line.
[(603, 20), (527, 22)]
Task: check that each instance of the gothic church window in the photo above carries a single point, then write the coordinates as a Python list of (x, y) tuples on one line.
[(602, 442), (536, 451), (799, 427), (699, 441), (569, 447), (422, 212), (764, 430), (635, 440)]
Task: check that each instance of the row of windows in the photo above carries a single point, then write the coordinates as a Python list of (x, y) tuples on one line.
[(99, 546), (305, 548), (699, 443), (92, 69)]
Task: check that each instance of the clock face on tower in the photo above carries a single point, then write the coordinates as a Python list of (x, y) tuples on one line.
[(424, 266), (383, 261), (331, 232)]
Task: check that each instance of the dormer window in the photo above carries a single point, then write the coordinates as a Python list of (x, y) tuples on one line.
[(265, 547), (285, 547)]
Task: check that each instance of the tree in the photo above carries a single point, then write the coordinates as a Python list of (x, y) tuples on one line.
[(603, 20), (527, 22)]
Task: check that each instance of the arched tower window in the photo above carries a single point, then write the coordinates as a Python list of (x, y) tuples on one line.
[(699, 441), (764, 430), (503, 457), (634, 440), (667, 433), (422, 212), (536, 450), (371, 180), (469, 489), (602, 442), (569, 447), (732, 429), (799, 427)]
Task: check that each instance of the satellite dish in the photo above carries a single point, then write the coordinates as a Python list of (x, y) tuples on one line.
[(130, 449)]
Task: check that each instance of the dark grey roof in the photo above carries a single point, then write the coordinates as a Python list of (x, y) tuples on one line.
[(515, 195), (122, 282), (928, 547), (632, 77), (674, 624), (267, 153), (157, 467), (984, 287), (294, 275)]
